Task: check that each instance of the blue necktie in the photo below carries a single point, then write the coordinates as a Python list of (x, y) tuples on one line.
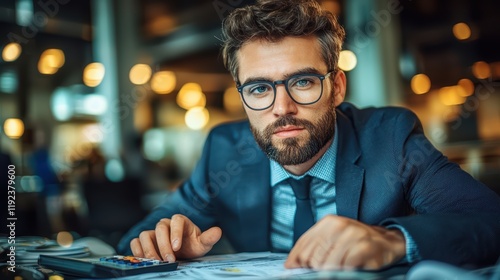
[(304, 217)]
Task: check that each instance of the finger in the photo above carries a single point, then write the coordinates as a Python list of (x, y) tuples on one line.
[(317, 257), (335, 257), (135, 246), (319, 245), (163, 240), (306, 245), (211, 236), (294, 257), (179, 226), (148, 244), (299, 255), (291, 260), (313, 247)]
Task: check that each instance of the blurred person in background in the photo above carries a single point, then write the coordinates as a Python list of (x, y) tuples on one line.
[(50, 202)]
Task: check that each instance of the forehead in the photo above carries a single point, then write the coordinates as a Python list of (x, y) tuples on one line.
[(262, 58)]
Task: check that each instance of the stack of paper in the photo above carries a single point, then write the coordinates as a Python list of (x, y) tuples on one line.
[(28, 248)]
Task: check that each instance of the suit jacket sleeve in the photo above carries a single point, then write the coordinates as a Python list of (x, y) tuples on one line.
[(457, 219), (191, 199)]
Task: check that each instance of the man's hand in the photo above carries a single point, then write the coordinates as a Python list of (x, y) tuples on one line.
[(175, 238), (341, 243)]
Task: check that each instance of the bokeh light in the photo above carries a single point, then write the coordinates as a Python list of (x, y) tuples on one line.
[(9, 82), (451, 95), (51, 61), (13, 128), (420, 84), (461, 31), (140, 74), (114, 170), (481, 70), (190, 95), (94, 104), (347, 60), (61, 104), (163, 82), (467, 87), (155, 144), (93, 74), (11, 51), (64, 239), (197, 117)]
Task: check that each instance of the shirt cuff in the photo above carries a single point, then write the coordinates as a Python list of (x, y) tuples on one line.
[(412, 254)]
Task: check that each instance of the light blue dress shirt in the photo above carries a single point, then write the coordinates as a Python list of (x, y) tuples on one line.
[(323, 201), (322, 196)]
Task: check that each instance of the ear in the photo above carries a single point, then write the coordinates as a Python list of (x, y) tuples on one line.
[(339, 87)]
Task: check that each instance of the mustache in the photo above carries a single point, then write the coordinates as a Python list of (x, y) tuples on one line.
[(287, 120)]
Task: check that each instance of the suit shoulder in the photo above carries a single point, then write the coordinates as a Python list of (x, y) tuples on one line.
[(231, 130), (373, 116)]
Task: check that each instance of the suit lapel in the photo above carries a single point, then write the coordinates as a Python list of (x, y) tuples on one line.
[(253, 199), (349, 176)]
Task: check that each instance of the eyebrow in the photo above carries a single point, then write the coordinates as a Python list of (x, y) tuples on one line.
[(307, 70)]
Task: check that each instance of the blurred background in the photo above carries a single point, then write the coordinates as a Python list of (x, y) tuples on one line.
[(105, 105)]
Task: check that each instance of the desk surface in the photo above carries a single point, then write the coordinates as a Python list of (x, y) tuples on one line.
[(266, 265), (261, 265)]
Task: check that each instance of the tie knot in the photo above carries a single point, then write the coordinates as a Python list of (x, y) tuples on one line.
[(301, 187)]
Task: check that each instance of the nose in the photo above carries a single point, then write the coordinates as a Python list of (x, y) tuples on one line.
[(283, 104)]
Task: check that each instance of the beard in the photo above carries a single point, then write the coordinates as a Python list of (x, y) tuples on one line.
[(296, 150)]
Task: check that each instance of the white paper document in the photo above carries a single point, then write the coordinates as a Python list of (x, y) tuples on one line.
[(261, 265)]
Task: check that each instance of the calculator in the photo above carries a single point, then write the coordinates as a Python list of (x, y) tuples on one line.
[(105, 267)]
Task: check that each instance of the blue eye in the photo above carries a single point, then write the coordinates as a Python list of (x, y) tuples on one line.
[(302, 82), (259, 89)]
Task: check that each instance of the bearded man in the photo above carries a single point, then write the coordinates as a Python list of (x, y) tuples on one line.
[(335, 186)]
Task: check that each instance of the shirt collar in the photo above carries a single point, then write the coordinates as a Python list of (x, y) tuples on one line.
[(323, 169)]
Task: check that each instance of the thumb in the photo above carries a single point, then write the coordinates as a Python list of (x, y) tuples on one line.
[(209, 237)]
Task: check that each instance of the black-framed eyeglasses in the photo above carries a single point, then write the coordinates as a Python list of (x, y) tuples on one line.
[(304, 89)]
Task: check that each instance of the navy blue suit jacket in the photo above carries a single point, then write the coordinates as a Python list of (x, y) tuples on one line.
[(387, 172)]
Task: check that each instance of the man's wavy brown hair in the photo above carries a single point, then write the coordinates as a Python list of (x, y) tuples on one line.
[(273, 20)]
